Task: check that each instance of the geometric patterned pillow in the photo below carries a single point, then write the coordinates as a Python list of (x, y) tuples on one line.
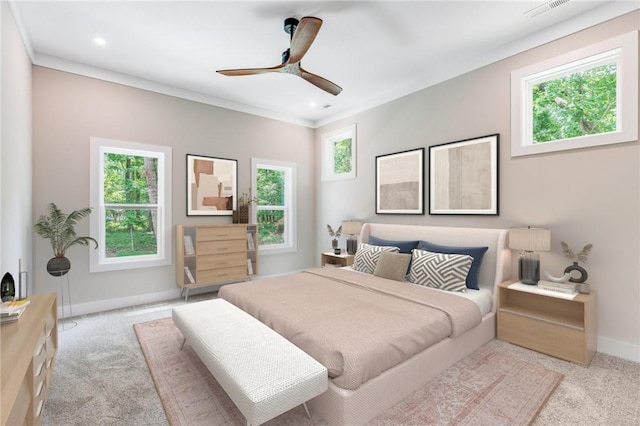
[(476, 252), (440, 270), (367, 256)]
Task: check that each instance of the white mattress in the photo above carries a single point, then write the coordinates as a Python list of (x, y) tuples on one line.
[(483, 297)]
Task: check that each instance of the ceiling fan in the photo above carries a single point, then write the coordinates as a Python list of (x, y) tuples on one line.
[(302, 34)]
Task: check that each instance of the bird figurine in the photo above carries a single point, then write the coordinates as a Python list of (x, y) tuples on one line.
[(335, 235), (581, 256), (332, 233)]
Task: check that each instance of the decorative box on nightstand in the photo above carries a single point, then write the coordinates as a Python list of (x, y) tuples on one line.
[(338, 260), (554, 324)]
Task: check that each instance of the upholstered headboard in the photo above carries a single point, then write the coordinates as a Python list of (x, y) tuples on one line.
[(496, 264)]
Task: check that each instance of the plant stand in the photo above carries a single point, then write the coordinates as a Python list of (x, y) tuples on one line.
[(64, 322)]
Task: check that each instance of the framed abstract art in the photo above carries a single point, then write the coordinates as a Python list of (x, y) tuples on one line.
[(400, 182), (212, 188), (463, 177)]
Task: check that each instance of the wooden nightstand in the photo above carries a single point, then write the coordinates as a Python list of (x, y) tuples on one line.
[(564, 328), (339, 260)]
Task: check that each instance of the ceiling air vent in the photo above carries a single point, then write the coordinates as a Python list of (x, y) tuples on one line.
[(545, 8)]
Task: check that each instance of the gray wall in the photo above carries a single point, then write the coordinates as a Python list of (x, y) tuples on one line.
[(590, 195), (15, 149), (68, 109), (583, 196)]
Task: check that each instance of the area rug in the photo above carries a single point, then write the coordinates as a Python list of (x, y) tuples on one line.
[(485, 388)]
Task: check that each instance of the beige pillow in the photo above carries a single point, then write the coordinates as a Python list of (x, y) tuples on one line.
[(392, 266)]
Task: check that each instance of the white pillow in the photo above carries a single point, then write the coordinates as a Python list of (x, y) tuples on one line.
[(440, 270), (367, 256)]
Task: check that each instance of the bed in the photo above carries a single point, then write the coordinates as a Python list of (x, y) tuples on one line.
[(381, 339)]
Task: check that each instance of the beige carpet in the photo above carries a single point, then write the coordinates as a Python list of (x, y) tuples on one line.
[(487, 387)]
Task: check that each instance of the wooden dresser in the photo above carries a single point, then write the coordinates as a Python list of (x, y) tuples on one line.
[(28, 350), (215, 254)]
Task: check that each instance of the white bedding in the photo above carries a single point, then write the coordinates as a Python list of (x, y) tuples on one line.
[(483, 297)]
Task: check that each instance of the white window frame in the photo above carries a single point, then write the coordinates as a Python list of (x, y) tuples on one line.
[(328, 141), (290, 237), (623, 50), (99, 262)]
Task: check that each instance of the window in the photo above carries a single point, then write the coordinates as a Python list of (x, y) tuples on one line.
[(131, 195), (275, 212), (585, 98), (339, 154)]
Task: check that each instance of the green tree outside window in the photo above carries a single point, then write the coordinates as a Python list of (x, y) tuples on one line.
[(342, 156), (580, 104), (271, 203), (130, 191)]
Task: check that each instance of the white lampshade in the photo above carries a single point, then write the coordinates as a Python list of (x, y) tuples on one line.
[(351, 227), (530, 239)]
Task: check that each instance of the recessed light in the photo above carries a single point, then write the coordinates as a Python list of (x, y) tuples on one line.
[(313, 104), (99, 41)]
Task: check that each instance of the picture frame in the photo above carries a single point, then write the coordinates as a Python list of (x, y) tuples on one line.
[(400, 182), (212, 188), (339, 150), (463, 177)]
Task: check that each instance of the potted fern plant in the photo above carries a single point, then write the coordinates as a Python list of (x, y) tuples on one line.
[(59, 229)]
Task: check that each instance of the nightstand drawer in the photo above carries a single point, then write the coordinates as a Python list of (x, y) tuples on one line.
[(337, 260), (553, 339)]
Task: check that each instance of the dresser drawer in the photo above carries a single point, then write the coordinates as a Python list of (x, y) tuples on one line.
[(221, 233), (217, 261), (220, 247), (223, 274)]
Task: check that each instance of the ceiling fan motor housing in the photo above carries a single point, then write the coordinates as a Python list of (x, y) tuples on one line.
[(290, 25), (285, 55)]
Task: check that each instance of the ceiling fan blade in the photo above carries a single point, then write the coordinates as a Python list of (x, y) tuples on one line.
[(303, 36), (320, 82), (250, 71)]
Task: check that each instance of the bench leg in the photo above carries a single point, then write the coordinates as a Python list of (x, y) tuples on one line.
[(183, 342), (304, 404)]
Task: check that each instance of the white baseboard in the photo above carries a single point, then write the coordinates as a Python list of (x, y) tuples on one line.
[(125, 302), (619, 349), (117, 303)]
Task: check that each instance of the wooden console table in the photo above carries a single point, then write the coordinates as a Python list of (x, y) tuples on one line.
[(28, 350)]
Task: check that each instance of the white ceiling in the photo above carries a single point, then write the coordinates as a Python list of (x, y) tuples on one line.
[(376, 50)]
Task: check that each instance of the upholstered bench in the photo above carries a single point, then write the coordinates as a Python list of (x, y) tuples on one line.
[(263, 373)]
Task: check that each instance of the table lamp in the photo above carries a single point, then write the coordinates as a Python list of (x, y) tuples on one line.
[(529, 241), (352, 229)]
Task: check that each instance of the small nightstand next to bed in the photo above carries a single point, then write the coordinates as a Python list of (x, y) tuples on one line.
[(327, 258), (564, 328)]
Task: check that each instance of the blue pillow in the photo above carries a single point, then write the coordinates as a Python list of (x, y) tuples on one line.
[(404, 246), (476, 252)]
